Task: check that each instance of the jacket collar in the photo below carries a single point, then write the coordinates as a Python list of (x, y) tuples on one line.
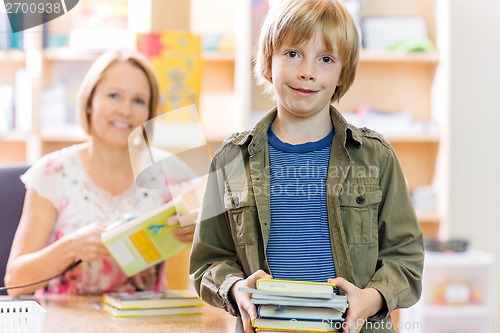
[(258, 135)]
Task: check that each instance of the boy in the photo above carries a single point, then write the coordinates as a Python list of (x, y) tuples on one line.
[(304, 195)]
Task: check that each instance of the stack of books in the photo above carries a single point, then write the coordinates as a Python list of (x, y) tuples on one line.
[(152, 303), (291, 306)]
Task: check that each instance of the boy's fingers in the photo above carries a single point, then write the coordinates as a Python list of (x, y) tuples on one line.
[(343, 284)]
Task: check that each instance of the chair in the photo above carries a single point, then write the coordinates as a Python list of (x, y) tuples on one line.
[(12, 192)]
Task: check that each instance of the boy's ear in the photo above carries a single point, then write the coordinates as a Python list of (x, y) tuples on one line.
[(268, 75)]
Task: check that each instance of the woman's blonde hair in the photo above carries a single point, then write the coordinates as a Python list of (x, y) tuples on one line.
[(296, 21), (97, 70)]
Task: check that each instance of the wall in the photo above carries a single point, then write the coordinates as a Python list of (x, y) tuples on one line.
[(474, 121)]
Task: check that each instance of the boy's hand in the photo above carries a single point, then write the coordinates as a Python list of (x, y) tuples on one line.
[(242, 299), (363, 303)]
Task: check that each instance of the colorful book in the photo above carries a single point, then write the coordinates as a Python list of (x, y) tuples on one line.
[(145, 241), (291, 286), (176, 59), (120, 313), (152, 299), (299, 313), (295, 325)]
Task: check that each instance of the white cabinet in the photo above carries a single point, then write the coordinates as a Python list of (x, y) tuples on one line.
[(457, 296)]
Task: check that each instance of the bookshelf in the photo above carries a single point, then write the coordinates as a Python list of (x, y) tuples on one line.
[(387, 80)]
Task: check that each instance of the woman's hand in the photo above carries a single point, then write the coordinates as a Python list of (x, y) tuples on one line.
[(242, 299), (363, 303), (188, 222), (86, 243)]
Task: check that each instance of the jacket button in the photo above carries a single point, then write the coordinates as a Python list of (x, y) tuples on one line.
[(360, 200)]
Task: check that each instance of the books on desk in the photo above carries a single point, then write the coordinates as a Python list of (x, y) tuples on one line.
[(285, 305), (145, 241), (121, 313), (152, 303)]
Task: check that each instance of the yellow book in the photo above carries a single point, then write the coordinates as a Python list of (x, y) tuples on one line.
[(176, 59), (294, 325), (147, 240), (150, 312)]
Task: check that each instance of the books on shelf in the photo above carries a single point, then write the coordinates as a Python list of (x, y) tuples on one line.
[(287, 305), (145, 241), (151, 303)]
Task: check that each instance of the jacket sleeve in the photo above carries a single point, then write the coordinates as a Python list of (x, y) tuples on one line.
[(398, 277), (214, 266)]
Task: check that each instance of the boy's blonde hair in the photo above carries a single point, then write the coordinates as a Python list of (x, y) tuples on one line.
[(296, 21), (97, 70)]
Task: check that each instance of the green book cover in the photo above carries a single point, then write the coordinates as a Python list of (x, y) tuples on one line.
[(146, 240)]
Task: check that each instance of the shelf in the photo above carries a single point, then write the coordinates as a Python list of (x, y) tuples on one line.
[(388, 56), (468, 259), (458, 311), (14, 137), (69, 54), (428, 217), (218, 56), (12, 56), (68, 134), (413, 138)]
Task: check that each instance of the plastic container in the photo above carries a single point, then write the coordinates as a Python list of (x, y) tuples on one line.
[(21, 316), (452, 245)]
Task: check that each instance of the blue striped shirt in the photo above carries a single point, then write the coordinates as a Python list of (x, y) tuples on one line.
[(299, 245)]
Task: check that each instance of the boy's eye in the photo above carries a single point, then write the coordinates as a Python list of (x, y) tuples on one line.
[(327, 60), (292, 54), (113, 95)]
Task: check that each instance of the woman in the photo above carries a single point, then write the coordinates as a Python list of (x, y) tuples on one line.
[(72, 194)]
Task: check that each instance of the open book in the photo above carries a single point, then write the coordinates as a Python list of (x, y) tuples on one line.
[(147, 240)]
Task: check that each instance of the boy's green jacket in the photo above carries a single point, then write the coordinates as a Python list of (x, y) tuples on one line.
[(375, 237)]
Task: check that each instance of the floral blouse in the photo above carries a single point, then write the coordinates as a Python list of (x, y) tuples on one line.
[(61, 178)]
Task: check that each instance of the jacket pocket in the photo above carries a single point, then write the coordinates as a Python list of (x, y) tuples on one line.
[(359, 213), (242, 213)]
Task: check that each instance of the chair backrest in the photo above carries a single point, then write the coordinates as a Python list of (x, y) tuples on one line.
[(12, 192)]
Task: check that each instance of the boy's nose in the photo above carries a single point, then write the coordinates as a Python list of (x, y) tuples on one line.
[(307, 76), (306, 72)]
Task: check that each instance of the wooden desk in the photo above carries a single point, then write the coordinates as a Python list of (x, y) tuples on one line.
[(77, 314)]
